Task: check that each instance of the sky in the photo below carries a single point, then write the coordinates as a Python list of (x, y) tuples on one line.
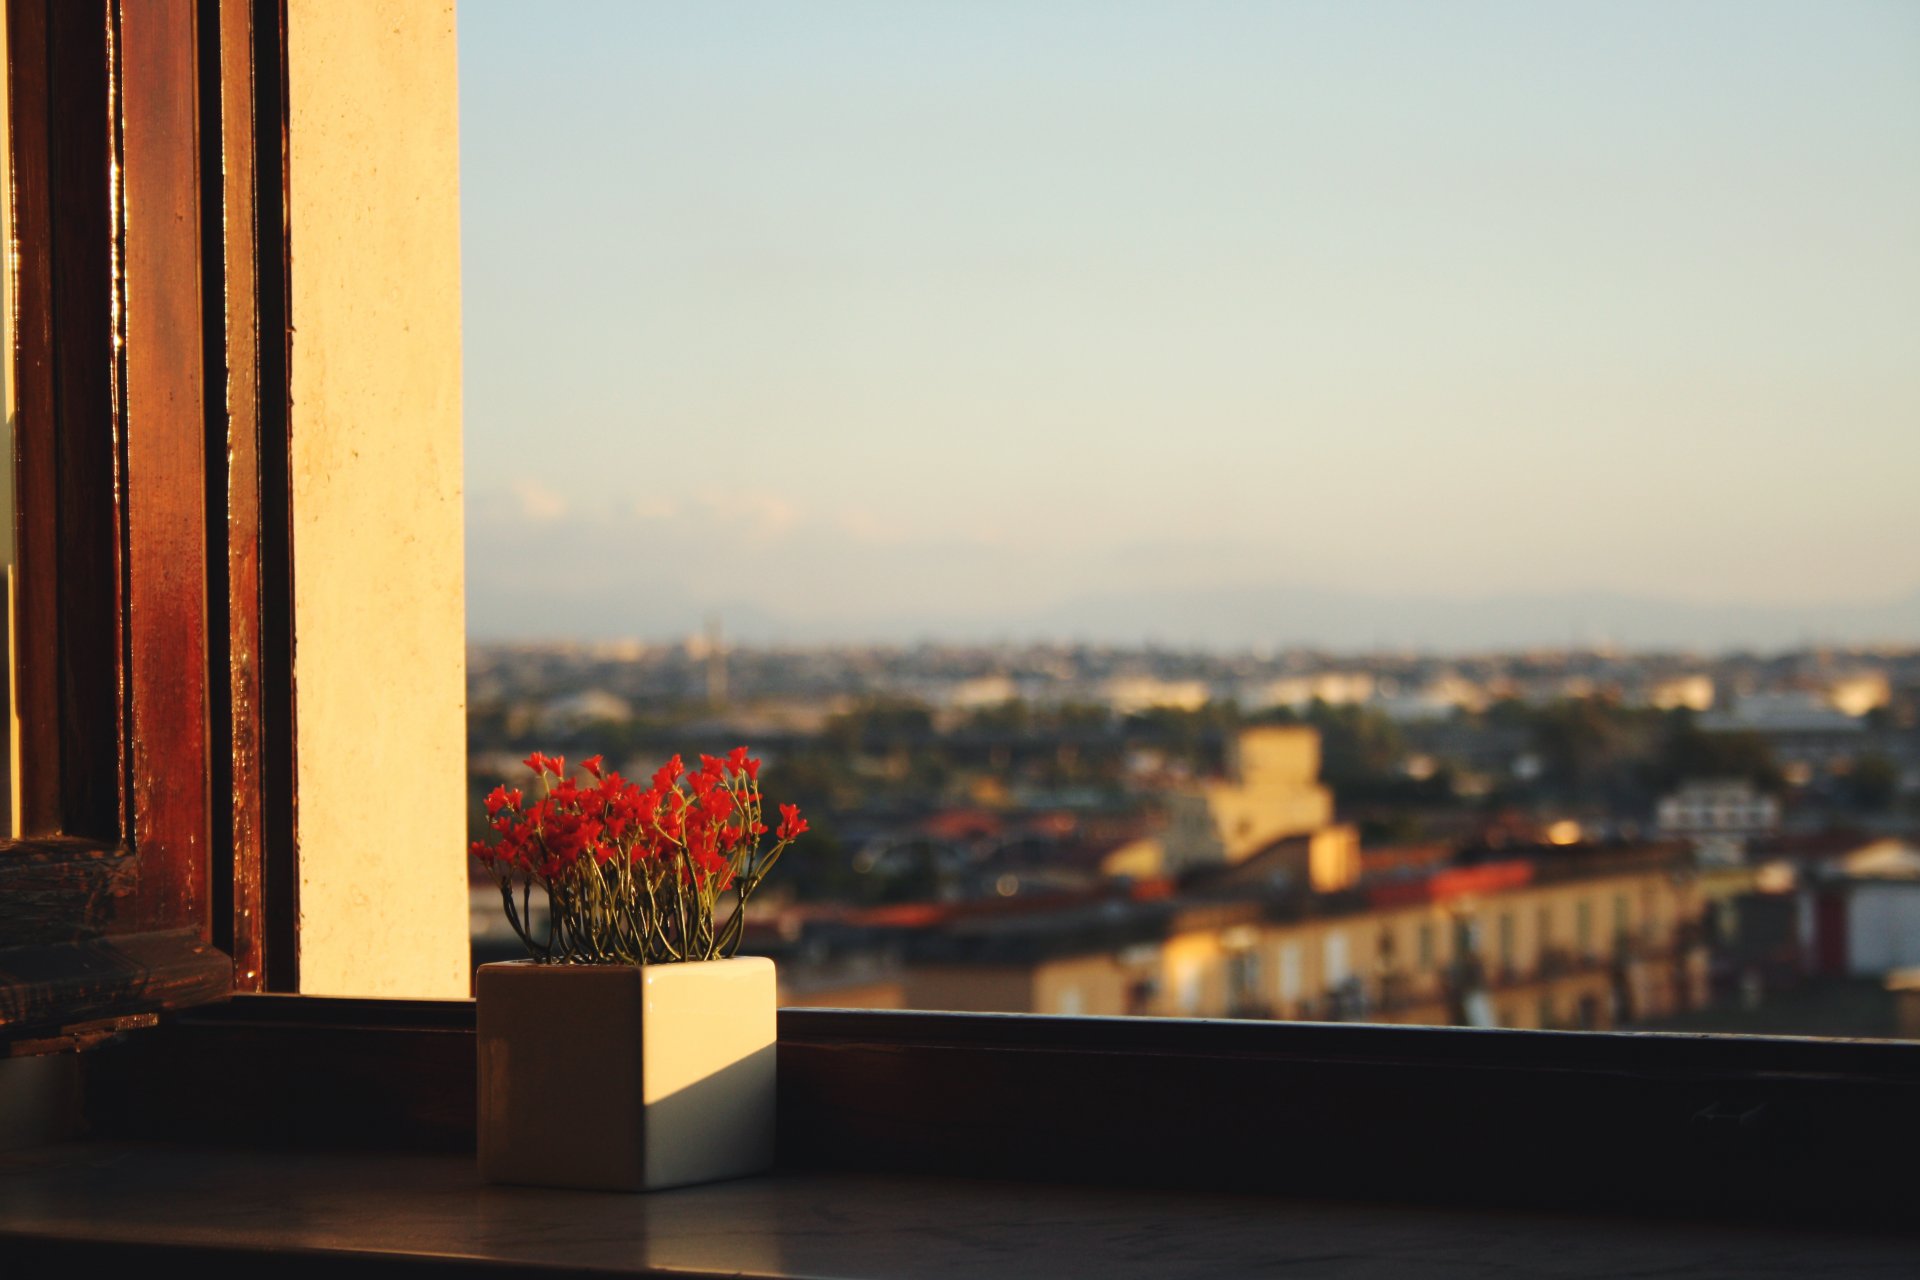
[(1209, 322)]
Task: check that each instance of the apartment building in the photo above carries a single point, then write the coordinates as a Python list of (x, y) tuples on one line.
[(1271, 791), (1557, 938)]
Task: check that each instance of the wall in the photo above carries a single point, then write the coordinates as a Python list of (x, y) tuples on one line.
[(1883, 927), (971, 988), (1335, 966), (1091, 985), (379, 603), (1277, 756)]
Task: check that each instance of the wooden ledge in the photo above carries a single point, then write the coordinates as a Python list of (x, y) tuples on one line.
[(231, 1212)]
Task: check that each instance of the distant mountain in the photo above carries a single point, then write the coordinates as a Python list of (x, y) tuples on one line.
[(1272, 616), (1354, 620)]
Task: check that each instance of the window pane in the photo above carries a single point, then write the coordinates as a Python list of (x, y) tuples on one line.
[(1224, 511)]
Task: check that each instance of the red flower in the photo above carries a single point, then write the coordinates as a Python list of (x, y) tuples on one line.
[(542, 764), (687, 836)]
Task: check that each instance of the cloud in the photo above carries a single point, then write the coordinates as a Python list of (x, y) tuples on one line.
[(539, 504), (757, 516)]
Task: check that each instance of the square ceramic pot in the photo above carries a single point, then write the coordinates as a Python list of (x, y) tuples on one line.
[(626, 1077)]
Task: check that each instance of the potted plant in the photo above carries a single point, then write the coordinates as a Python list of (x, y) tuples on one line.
[(634, 1048)]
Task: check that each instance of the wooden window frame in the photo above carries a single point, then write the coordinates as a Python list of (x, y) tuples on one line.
[(153, 602)]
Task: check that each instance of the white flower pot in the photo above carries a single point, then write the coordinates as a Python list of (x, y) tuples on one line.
[(626, 1077)]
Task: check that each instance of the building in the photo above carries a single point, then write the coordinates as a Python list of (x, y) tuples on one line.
[(1720, 816), (1271, 791), (1335, 688), (1860, 913), (1131, 694), (1586, 937), (1692, 692)]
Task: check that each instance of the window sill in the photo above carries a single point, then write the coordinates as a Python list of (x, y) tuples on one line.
[(1770, 1130), (224, 1211)]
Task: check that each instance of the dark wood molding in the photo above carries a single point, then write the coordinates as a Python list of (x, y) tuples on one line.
[(62, 889), (90, 576), (233, 479), (49, 987), (248, 455), (36, 613), (68, 464), (165, 430), (1721, 1125), (296, 1071), (280, 878)]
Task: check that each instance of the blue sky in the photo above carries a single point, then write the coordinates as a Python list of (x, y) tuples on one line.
[(872, 319)]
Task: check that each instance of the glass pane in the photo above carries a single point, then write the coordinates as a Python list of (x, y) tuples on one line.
[(1264, 511)]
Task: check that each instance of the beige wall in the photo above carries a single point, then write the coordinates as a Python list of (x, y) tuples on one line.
[(1333, 857), (379, 604), (971, 988), (1277, 756), (1192, 984), (857, 995), (1289, 969), (1091, 985), (1249, 818)]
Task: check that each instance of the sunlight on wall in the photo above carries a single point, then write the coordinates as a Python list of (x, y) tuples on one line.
[(379, 604)]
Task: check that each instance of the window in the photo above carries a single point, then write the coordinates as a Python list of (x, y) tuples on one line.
[(1077, 1051), (1188, 988), (159, 478), (1290, 989), (1243, 983), (915, 288), (1335, 961)]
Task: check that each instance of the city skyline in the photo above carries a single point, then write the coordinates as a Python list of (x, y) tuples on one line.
[(1329, 325)]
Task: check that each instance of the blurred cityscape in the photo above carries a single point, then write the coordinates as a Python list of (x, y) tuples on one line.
[(1569, 839)]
